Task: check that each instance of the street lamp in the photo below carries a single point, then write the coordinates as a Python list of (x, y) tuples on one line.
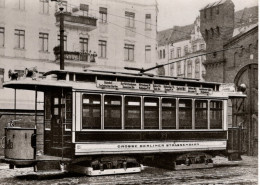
[(61, 8)]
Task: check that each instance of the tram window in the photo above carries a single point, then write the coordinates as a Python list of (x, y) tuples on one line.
[(216, 114), (132, 112), (85, 78), (112, 112), (201, 114), (61, 76), (185, 114), (91, 111), (56, 101), (151, 113), (168, 113)]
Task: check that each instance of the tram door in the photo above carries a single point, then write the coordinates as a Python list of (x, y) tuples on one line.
[(58, 122), (245, 111)]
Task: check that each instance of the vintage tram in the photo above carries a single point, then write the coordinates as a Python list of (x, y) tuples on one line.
[(99, 123)]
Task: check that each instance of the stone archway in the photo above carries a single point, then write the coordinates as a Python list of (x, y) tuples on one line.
[(247, 110)]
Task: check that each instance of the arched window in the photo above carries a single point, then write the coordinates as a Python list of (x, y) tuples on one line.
[(212, 32), (218, 32), (206, 34)]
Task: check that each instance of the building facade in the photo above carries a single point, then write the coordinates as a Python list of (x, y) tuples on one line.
[(237, 63), (180, 46), (101, 34)]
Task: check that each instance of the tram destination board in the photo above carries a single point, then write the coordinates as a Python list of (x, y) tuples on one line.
[(152, 87)]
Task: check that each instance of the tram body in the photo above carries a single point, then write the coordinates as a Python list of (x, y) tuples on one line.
[(103, 123)]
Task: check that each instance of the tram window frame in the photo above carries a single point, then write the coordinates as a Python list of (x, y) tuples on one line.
[(48, 110), (132, 107), (172, 108), (186, 111), (108, 108), (93, 106), (214, 114), (153, 111), (200, 116)]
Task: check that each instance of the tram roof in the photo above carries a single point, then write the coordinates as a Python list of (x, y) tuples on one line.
[(132, 75)]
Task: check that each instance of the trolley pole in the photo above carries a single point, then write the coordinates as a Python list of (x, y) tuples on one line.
[(61, 39)]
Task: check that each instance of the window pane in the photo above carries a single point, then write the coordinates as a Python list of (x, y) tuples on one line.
[(91, 111), (151, 113), (112, 112), (201, 114), (132, 112), (185, 114), (216, 114), (168, 113)]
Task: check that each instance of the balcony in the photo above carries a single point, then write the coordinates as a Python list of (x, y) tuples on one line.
[(75, 56), (76, 21)]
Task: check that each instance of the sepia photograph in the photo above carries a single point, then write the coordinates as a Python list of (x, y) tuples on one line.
[(128, 92)]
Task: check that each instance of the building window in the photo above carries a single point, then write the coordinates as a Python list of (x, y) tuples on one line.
[(179, 72), (44, 6), (206, 34), (147, 53), (197, 68), (19, 39), (172, 54), (172, 69), (160, 54), (189, 69), (2, 71), (218, 32), (130, 19), (2, 37), (205, 14), (83, 45), (202, 47), (43, 41), (21, 4), (163, 53), (129, 52), (84, 8), (212, 32), (194, 48), (148, 21), (178, 52), (103, 14), (235, 59), (102, 48), (65, 42), (186, 50)]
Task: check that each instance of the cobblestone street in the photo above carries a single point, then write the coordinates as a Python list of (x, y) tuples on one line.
[(224, 172)]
